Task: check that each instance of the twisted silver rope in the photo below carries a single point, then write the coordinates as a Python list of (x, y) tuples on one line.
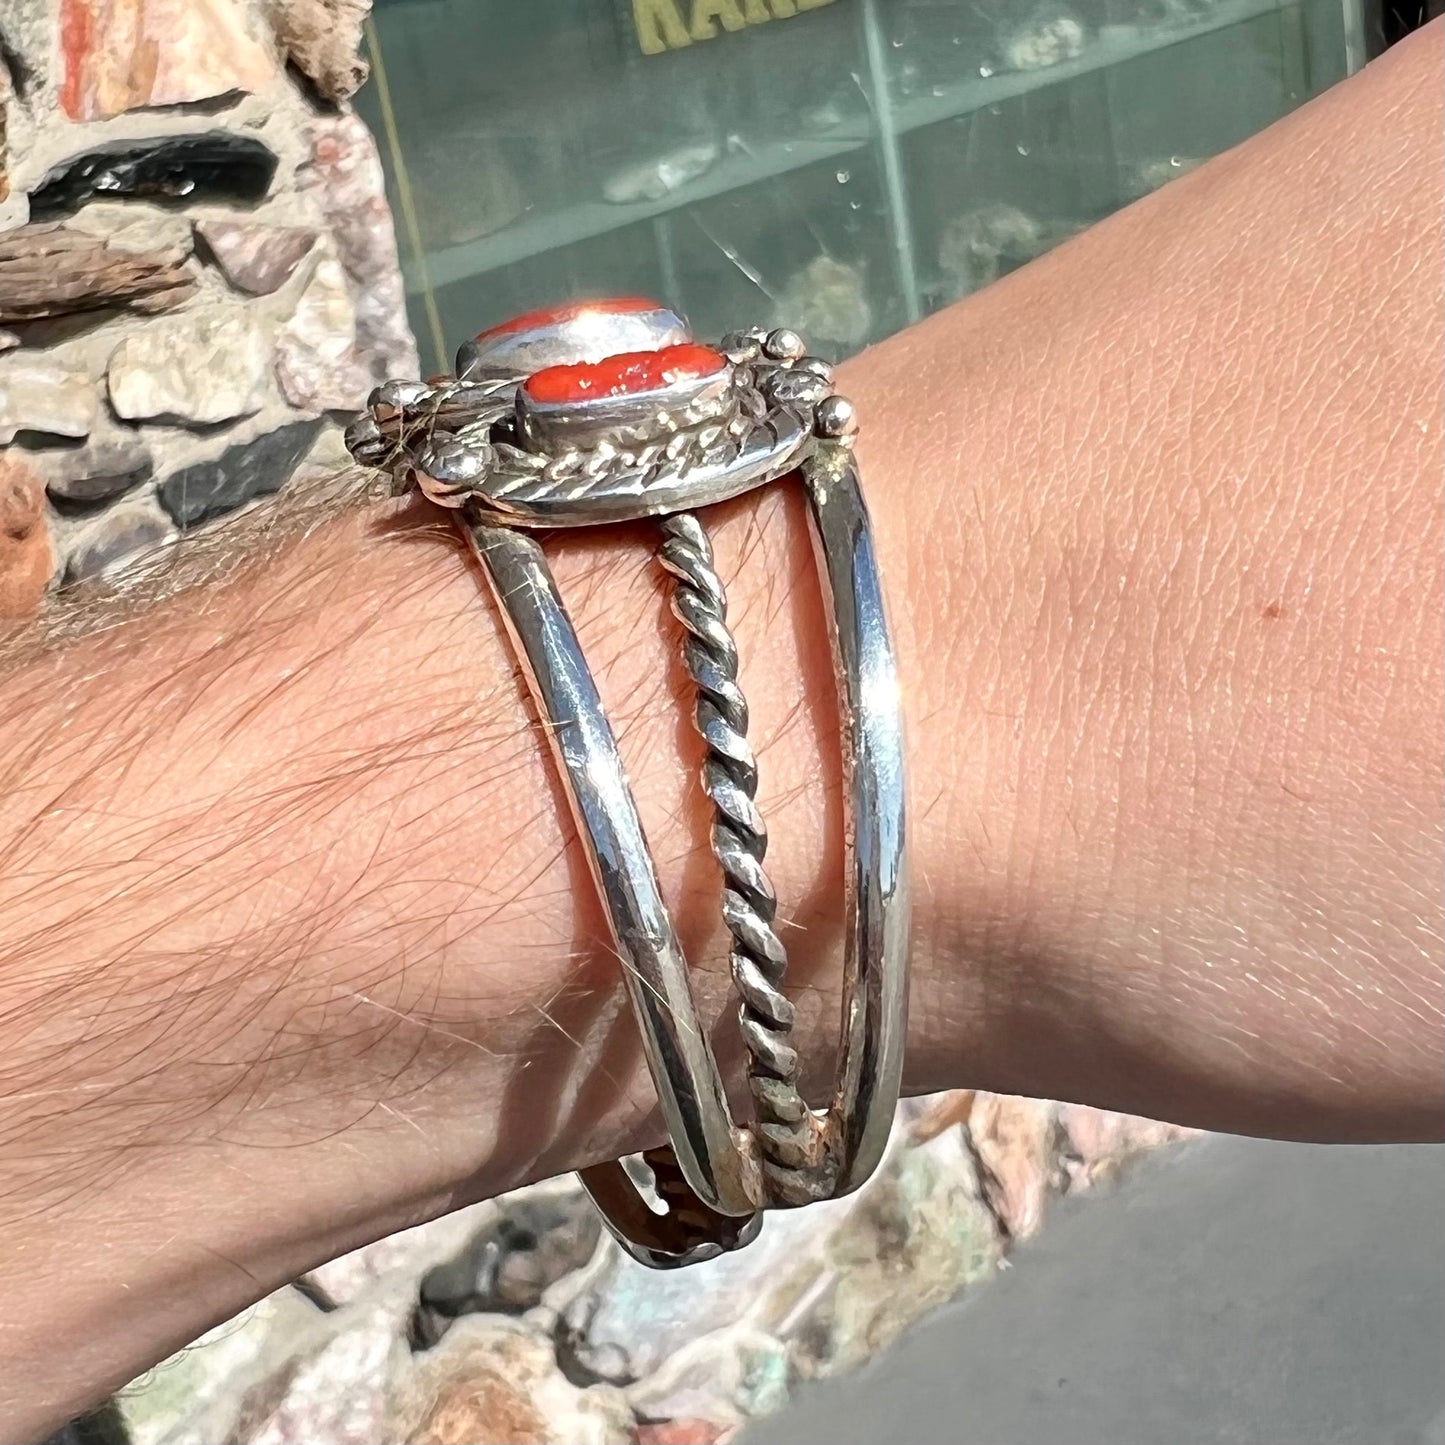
[(786, 1130)]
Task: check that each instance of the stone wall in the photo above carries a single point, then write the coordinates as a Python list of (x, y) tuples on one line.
[(198, 271), (520, 1320)]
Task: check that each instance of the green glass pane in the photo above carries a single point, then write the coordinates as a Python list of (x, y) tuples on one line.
[(840, 165)]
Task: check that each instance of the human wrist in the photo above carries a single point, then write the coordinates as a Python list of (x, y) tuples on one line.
[(1172, 686)]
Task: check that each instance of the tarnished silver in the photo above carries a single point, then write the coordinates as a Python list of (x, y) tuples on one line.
[(625, 480), (506, 463), (685, 1232), (788, 1135)]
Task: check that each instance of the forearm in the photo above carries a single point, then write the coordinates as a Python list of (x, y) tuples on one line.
[(297, 944)]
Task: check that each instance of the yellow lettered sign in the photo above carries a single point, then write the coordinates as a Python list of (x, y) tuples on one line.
[(671, 24)]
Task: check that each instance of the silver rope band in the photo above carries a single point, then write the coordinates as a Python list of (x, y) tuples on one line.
[(787, 1136)]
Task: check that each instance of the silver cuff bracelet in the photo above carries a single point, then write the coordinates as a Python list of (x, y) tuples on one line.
[(608, 411)]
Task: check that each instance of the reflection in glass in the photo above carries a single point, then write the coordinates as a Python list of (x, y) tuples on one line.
[(842, 166)]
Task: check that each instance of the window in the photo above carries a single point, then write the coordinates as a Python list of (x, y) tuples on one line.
[(842, 166)]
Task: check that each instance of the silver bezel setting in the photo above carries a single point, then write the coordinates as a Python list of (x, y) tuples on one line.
[(584, 335), (487, 444)]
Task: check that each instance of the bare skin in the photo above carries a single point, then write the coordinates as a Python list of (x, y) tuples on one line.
[(297, 948)]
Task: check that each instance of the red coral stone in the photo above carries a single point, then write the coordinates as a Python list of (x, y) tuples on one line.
[(627, 374), (556, 315)]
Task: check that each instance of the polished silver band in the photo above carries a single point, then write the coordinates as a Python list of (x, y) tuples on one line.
[(775, 413)]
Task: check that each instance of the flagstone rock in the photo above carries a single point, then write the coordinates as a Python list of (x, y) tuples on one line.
[(27, 557), (98, 472), (344, 172), (118, 55), (317, 362), (1016, 1141), (255, 259), (209, 365), (322, 39), (492, 1379), (197, 493), (204, 1382), (340, 1394), (44, 396), (103, 546), (49, 270)]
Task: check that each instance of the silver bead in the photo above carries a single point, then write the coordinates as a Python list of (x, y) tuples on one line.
[(836, 419), (468, 360), (751, 403), (448, 469), (796, 388), (450, 461), (399, 394), (817, 366), (785, 345), (365, 442), (742, 346)]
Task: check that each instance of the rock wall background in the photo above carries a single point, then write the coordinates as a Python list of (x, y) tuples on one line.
[(198, 272), (518, 1322)]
